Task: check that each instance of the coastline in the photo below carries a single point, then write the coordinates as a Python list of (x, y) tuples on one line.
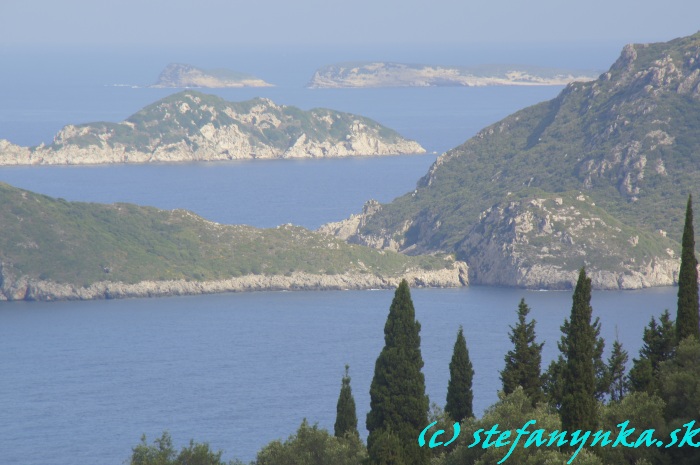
[(29, 289)]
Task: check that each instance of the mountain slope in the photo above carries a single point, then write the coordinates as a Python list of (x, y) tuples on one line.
[(51, 249), (189, 126), (629, 141)]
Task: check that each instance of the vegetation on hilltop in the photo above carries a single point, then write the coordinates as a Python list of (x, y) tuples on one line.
[(183, 115)]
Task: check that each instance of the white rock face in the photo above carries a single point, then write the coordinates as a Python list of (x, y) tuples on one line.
[(30, 289), (538, 243)]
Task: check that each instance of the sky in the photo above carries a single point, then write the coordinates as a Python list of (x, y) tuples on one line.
[(289, 23)]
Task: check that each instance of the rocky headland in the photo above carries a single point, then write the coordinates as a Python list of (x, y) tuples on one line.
[(51, 249)]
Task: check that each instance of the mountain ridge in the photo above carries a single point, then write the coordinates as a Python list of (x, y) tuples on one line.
[(628, 141)]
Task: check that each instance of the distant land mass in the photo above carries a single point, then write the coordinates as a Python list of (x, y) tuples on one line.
[(183, 75), (192, 126), (597, 177), (51, 249), (387, 74)]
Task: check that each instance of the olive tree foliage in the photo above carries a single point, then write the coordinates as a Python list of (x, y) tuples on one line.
[(511, 412), (312, 445), (162, 452)]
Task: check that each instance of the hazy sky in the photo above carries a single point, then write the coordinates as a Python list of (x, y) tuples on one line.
[(336, 22)]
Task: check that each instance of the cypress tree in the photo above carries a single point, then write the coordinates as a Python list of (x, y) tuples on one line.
[(398, 403), (659, 345), (617, 363), (579, 404), (346, 416), (459, 388), (687, 318), (553, 378), (523, 363)]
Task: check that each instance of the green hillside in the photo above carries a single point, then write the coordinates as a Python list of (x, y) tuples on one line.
[(82, 243)]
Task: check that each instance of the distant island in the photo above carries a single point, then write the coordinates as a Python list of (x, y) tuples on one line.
[(51, 249), (192, 126), (184, 75), (388, 74)]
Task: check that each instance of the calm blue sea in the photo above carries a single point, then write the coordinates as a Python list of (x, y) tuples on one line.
[(81, 381)]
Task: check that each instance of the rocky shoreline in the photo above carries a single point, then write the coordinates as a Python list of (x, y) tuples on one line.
[(30, 289), (496, 259), (233, 149)]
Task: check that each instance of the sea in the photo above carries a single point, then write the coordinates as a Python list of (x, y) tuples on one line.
[(81, 382)]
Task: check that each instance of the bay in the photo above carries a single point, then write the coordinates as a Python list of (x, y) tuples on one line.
[(81, 381)]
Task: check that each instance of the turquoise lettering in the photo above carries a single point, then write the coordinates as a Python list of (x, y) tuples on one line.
[(577, 437), (624, 434), (560, 437), (477, 438), (646, 438)]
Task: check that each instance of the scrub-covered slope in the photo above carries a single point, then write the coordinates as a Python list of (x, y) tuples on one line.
[(628, 143)]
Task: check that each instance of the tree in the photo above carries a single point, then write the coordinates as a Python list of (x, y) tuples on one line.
[(346, 416), (680, 389), (459, 388), (524, 361), (687, 318), (617, 364), (680, 382), (312, 445), (553, 379), (579, 404), (398, 403), (659, 345), (163, 453)]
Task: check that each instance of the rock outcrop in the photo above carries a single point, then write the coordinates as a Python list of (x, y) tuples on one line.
[(190, 126)]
